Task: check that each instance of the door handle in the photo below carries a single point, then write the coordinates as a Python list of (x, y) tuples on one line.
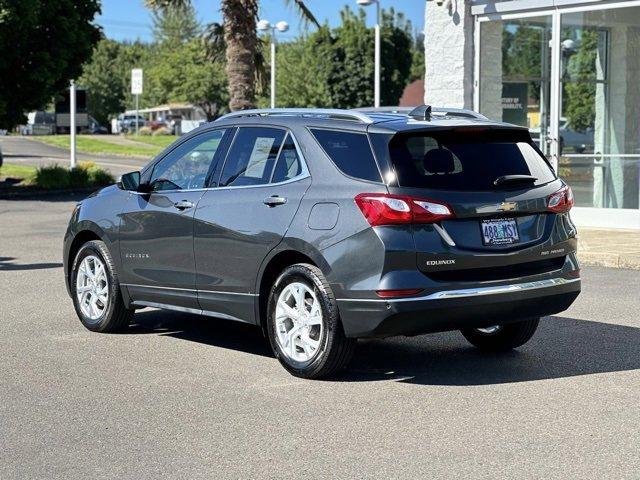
[(183, 204), (274, 201)]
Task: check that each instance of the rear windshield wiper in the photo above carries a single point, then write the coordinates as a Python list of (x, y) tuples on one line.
[(510, 179)]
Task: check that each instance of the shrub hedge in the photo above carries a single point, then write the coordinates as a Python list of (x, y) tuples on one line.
[(86, 174)]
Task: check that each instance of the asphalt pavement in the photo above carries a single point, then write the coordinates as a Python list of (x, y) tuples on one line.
[(178, 396), (25, 151)]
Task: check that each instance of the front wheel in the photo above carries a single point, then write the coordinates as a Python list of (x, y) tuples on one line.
[(96, 290), (304, 325), (500, 338)]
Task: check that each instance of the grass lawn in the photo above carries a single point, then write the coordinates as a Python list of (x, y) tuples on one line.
[(24, 172), (96, 146), (162, 141)]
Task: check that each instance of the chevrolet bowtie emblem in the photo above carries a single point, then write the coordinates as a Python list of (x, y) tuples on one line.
[(507, 206)]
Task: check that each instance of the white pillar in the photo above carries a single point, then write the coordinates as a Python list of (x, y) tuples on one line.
[(448, 44), (72, 124), (377, 60), (491, 69)]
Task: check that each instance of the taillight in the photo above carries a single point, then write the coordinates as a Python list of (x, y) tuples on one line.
[(561, 201), (387, 209)]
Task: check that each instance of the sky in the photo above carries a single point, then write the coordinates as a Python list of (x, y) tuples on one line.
[(130, 20)]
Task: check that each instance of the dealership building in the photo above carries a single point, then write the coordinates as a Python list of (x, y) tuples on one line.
[(568, 70)]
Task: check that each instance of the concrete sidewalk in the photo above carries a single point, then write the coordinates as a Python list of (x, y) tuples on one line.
[(609, 248)]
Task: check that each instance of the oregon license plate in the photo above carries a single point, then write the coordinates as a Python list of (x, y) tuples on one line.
[(503, 231)]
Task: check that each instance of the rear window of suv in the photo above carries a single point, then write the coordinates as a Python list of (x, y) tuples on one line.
[(350, 152), (465, 160)]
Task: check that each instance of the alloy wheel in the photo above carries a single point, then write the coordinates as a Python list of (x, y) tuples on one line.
[(92, 287), (299, 323)]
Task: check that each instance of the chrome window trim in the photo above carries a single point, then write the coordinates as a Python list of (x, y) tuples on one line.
[(173, 147), (358, 132), (301, 176), (473, 292)]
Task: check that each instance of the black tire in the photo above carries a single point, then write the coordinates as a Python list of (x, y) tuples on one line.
[(509, 336), (115, 316), (335, 350)]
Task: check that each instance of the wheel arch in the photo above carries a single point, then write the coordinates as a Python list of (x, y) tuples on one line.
[(85, 232), (274, 265)]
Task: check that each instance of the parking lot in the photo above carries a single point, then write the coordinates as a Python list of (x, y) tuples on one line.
[(179, 396)]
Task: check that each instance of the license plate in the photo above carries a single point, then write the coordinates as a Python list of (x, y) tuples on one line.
[(499, 232)]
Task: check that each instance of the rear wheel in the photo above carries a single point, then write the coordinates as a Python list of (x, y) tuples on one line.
[(96, 290), (502, 337), (304, 326)]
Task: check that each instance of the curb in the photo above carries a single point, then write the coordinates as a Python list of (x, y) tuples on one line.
[(25, 195), (610, 260)]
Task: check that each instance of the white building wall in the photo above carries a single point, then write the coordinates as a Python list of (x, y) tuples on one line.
[(449, 54)]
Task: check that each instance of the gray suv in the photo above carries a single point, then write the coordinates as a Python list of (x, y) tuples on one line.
[(324, 226)]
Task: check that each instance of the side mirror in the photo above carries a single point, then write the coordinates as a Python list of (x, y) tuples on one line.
[(130, 181)]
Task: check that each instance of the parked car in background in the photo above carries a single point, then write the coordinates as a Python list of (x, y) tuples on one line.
[(573, 141), (324, 226), (171, 122), (127, 122), (95, 128)]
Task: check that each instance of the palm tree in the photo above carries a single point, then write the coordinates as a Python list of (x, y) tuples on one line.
[(241, 39)]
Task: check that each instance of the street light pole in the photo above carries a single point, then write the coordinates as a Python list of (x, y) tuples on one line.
[(377, 60), (72, 123), (264, 26), (273, 68)]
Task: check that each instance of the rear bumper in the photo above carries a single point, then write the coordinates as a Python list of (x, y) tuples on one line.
[(456, 309)]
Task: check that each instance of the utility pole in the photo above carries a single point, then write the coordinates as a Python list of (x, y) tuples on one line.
[(72, 122)]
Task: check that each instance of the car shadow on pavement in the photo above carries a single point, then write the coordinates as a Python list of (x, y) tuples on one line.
[(26, 194), (562, 347), (6, 264), (206, 330)]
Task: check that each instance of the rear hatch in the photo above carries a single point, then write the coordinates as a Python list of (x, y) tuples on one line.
[(496, 184)]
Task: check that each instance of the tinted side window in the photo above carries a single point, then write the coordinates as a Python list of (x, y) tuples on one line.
[(288, 165), (350, 152), (187, 166), (252, 156)]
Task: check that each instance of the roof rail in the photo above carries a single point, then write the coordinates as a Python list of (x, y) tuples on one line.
[(301, 112), (435, 111)]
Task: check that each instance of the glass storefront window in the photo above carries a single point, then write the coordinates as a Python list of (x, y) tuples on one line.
[(600, 106), (515, 61), (598, 143)]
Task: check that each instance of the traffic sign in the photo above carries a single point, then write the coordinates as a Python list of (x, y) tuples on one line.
[(136, 81)]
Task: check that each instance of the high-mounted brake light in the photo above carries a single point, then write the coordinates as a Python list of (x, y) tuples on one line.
[(561, 201), (387, 209)]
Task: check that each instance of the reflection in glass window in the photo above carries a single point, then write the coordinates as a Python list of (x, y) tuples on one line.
[(187, 166), (252, 156), (288, 165)]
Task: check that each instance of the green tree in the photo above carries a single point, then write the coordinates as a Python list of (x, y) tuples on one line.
[(417, 59), (104, 80), (579, 83), (44, 45), (523, 46), (335, 67), (241, 39), (184, 73), (175, 24)]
